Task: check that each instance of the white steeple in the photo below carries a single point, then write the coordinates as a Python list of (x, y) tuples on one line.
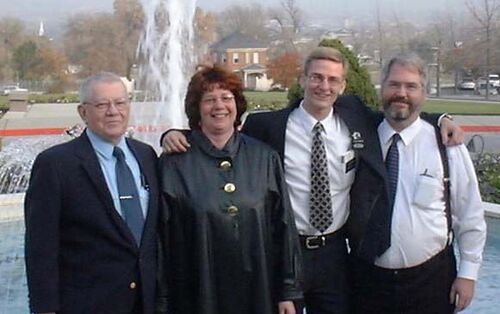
[(41, 31)]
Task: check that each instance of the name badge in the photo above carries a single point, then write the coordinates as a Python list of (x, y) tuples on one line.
[(349, 159)]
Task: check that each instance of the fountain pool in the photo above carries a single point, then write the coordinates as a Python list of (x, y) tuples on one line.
[(13, 290)]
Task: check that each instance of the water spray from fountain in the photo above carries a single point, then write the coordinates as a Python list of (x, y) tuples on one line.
[(18, 156), (167, 48)]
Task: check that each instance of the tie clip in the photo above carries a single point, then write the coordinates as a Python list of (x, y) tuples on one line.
[(126, 197)]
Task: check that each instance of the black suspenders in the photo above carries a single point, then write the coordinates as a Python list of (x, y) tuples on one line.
[(446, 183)]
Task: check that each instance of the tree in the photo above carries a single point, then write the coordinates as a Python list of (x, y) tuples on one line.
[(129, 16), (486, 16), (105, 42), (289, 20), (37, 59), (92, 41), (25, 58), (249, 20), (205, 31), (358, 79), (11, 36), (285, 69)]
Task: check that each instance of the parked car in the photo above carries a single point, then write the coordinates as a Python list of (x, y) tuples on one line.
[(467, 84), (12, 88), (481, 88), (494, 79)]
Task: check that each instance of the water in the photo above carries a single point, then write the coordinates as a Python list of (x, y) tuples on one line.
[(13, 290), (16, 159), (167, 45)]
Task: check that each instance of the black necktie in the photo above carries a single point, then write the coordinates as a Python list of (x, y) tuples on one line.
[(320, 215), (129, 196)]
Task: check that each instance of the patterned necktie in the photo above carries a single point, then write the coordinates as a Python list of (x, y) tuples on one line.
[(129, 196), (392, 165), (320, 215)]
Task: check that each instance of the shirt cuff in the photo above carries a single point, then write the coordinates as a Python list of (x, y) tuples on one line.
[(468, 270), (441, 117)]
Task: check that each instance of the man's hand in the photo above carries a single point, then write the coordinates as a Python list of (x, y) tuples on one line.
[(451, 133), (461, 293), (175, 142), (286, 307)]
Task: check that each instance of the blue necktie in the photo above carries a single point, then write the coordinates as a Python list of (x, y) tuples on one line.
[(392, 165), (129, 196), (320, 215)]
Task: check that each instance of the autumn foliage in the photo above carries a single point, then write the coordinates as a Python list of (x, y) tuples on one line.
[(285, 69)]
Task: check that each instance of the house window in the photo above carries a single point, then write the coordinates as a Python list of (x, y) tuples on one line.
[(255, 57), (224, 58), (247, 57), (235, 58)]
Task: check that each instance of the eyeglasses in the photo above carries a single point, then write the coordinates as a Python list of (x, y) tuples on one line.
[(211, 100), (317, 78), (104, 105)]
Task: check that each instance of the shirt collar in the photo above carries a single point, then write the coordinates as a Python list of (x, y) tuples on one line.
[(103, 147), (308, 121), (407, 135)]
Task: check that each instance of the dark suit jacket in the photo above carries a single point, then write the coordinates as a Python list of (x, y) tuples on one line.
[(369, 190), (370, 215), (80, 255)]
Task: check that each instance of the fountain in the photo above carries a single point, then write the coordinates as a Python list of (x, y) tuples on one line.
[(166, 46)]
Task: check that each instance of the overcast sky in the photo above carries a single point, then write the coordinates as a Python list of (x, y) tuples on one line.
[(315, 10)]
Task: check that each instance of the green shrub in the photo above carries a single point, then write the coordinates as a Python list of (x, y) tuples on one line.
[(488, 174), (54, 98), (358, 78)]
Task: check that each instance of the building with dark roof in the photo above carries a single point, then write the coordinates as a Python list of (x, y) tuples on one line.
[(245, 55)]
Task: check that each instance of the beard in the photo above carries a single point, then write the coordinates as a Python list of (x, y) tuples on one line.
[(397, 113)]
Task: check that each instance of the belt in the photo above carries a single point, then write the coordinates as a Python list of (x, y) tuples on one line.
[(444, 256), (317, 241)]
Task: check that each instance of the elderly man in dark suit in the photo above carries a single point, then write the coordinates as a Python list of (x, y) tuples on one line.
[(91, 214)]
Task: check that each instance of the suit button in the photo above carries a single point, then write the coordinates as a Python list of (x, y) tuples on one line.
[(232, 210), (133, 285), (229, 188), (225, 165)]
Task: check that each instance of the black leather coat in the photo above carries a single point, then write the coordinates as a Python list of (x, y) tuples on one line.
[(233, 242)]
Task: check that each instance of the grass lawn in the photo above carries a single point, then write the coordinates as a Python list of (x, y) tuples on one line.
[(462, 107), (276, 100), (266, 100)]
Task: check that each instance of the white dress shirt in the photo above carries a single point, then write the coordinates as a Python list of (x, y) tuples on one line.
[(298, 144), (419, 225)]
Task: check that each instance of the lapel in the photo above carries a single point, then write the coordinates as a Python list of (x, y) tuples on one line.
[(277, 130), (91, 166), (356, 121)]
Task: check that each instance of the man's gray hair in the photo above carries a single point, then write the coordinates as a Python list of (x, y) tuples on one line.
[(87, 87), (406, 60)]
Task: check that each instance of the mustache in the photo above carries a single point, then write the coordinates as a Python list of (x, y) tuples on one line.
[(401, 99)]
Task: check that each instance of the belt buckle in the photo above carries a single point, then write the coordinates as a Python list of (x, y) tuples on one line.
[(315, 242)]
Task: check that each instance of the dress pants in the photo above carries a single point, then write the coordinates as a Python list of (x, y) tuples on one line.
[(326, 288), (420, 289)]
